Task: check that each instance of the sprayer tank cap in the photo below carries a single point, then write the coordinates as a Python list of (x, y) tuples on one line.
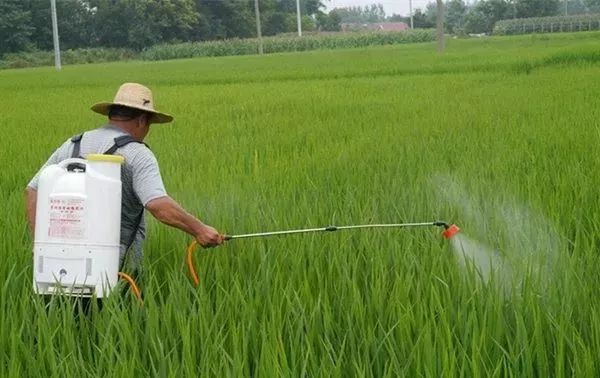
[(106, 158)]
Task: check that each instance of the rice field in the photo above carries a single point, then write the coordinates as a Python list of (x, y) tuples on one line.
[(499, 135)]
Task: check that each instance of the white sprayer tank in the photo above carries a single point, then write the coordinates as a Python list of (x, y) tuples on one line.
[(77, 227)]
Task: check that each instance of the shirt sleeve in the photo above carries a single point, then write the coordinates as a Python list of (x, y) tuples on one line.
[(147, 181), (59, 155)]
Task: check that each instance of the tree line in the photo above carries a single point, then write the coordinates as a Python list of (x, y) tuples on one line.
[(477, 18), (135, 24), (25, 25), (481, 16)]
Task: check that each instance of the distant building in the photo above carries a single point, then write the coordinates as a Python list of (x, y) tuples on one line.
[(377, 26), (389, 26)]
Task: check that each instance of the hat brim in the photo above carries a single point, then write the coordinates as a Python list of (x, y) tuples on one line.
[(157, 117)]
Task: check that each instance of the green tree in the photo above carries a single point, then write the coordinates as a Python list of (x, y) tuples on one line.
[(175, 19), (73, 16), (349, 14), (482, 17), (141, 23), (307, 7), (15, 26), (375, 13), (367, 14), (311, 7), (226, 19), (536, 8), (576, 7), (456, 11), (431, 13), (275, 23), (329, 22), (421, 20), (592, 5), (308, 23), (399, 18)]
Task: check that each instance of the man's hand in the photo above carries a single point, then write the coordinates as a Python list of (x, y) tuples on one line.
[(209, 237)]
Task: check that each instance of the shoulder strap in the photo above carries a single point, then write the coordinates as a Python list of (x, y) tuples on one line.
[(76, 140), (122, 141)]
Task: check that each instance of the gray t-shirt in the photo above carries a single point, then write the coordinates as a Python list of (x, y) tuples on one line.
[(140, 176)]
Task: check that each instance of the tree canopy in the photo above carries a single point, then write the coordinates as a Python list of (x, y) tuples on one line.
[(366, 14), (27, 25), (481, 16), (137, 24)]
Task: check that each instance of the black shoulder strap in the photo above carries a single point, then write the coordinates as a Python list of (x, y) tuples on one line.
[(122, 141), (76, 140)]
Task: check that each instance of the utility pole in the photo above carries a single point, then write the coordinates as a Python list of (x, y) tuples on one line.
[(299, 18), (55, 35), (440, 26), (566, 7), (258, 30), (411, 13)]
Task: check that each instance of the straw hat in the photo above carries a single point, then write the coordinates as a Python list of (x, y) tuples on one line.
[(135, 96)]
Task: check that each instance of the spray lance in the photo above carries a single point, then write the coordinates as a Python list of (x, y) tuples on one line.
[(449, 231)]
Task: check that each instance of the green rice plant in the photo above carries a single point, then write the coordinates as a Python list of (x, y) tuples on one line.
[(378, 134)]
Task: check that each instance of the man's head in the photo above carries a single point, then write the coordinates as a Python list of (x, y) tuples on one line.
[(133, 110), (136, 122)]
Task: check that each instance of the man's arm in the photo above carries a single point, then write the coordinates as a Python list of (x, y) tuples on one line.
[(31, 201), (169, 212)]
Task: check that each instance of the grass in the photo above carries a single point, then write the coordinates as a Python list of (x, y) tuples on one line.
[(498, 135)]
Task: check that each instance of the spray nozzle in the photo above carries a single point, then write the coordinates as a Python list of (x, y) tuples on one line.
[(441, 224), (450, 231)]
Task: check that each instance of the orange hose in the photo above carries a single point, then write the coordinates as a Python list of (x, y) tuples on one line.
[(134, 287), (190, 262)]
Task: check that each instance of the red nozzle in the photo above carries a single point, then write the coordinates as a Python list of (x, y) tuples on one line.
[(451, 231)]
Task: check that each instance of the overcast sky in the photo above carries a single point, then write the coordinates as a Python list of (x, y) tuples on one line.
[(390, 6)]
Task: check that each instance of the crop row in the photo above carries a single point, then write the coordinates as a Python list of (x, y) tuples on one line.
[(219, 48), (548, 24), (284, 44)]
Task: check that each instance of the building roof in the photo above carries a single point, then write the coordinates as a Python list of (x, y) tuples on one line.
[(384, 26), (388, 26)]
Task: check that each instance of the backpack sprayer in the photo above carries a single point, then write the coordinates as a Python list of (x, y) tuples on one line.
[(449, 231), (77, 228)]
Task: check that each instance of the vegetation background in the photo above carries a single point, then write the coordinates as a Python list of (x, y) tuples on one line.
[(25, 25)]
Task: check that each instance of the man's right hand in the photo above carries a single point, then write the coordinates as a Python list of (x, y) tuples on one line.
[(209, 237)]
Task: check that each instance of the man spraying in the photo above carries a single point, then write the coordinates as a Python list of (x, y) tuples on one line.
[(130, 115)]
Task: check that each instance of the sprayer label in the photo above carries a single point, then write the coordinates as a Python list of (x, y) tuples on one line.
[(67, 218)]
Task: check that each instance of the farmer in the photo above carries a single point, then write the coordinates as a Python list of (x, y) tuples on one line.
[(129, 118)]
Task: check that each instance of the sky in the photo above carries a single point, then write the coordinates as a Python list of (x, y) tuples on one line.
[(390, 6)]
